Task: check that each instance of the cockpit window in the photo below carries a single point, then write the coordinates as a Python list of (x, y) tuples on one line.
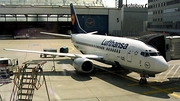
[(147, 54), (142, 53), (153, 54)]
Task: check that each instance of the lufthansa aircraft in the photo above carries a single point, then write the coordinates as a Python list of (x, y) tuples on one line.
[(128, 53)]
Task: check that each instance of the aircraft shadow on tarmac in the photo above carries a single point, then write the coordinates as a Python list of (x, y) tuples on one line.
[(121, 80), (64, 72), (153, 89)]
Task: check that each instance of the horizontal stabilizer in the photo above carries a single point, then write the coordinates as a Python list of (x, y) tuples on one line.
[(56, 34), (92, 32)]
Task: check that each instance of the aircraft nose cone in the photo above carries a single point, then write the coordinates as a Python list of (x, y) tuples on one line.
[(161, 65)]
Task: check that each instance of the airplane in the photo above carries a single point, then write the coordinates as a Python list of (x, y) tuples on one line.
[(130, 54)]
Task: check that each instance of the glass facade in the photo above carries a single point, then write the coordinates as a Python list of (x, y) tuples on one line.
[(30, 17), (163, 15), (52, 2)]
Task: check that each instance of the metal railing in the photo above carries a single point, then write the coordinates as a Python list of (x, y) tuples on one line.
[(26, 80)]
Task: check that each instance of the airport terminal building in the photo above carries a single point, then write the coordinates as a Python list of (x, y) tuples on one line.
[(163, 16), (29, 17)]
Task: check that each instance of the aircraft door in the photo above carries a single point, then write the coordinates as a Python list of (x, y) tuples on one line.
[(110, 57), (129, 54)]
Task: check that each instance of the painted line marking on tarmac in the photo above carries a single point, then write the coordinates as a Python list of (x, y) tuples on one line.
[(56, 96), (161, 90), (71, 48), (160, 74), (136, 84), (163, 72), (175, 95), (131, 85), (157, 90), (119, 75), (165, 91), (169, 71), (175, 72)]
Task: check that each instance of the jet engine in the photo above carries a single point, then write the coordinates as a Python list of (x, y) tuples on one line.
[(83, 65)]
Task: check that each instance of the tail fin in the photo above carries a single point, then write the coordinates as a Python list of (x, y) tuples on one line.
[(76, 28)]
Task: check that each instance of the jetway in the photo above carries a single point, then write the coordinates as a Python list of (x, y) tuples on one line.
[(174, 44), (168, 46)]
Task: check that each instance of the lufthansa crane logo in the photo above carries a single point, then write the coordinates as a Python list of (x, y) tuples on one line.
[(73, 19), (90, 22), (147, 65)]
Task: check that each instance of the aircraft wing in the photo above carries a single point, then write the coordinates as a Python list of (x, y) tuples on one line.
[(58, 54)]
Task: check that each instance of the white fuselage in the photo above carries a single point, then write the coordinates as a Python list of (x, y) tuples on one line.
[(130, 54)]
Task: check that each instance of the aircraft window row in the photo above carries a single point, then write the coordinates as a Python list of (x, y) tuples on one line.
[(100, 47), (96, 46), (84, 44), (113, 50), (146, 54)]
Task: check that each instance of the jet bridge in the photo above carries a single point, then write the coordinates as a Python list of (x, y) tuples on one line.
[(168, 46), (174, 44)]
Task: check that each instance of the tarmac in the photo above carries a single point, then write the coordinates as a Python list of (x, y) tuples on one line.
[(65, 84)]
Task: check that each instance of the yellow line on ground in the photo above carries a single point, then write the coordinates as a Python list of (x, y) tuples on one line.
[(161, 90), (119, 75), (126, 77), (167, 91), (71, 48), (135, 84), (175, 95)]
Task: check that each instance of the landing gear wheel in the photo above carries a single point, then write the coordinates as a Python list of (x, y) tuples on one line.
[(143, 81), (114, 67)]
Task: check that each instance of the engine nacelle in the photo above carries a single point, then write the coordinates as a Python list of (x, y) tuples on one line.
[(83, 65)]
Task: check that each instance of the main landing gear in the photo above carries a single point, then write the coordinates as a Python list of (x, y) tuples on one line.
[(143, 79)]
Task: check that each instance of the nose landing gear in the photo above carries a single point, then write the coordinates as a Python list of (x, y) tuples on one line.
[(143, 79)]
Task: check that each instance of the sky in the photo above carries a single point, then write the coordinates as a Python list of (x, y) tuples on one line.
[(111, 3)]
